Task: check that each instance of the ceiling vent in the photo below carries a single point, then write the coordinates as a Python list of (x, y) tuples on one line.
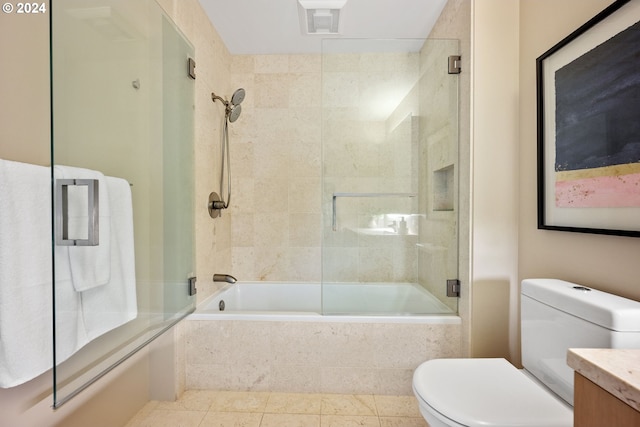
[(320, 16)]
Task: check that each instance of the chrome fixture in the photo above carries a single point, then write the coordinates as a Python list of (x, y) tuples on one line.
[(224, 278), (231, 114)]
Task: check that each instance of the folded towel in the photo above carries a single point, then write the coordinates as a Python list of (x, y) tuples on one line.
[(107, 307), (26, 278), (90, 265)]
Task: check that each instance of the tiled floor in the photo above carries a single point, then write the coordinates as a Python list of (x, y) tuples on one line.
[(252, 409)]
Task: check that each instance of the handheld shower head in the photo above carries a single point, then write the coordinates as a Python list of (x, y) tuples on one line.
[(233, 113), (237, 97)]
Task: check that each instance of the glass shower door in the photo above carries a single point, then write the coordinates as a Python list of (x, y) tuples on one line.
[(122, 171), (390, 156)]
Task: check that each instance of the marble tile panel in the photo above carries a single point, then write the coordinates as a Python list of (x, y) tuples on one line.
[(242, 231), (290, 420), (294, 403), (165, 418), (375, 265), (349, 421), (305, 264), (305, 230), (271, 160), (346, 380), (271, 90), (191, 400), (397, 406), (272, 262), (238, 401), (242, 159), (393, 381), (295, 378), (243, 198), (304, 196), (243, 263), (231, 419), (399, 346), (304, 90), (402, 422), (305, 63), (346, 344), (243, 64), (271, 229), (355, 404), (308, 348), (271, 64)]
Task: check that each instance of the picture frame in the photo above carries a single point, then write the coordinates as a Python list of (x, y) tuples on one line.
[(588, 126)]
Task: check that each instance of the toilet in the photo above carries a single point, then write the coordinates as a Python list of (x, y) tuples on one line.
[(555, 316)]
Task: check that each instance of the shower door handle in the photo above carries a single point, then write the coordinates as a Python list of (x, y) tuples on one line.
[(62, 212)]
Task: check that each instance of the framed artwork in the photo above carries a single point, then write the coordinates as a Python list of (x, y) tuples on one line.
[(588, 95)]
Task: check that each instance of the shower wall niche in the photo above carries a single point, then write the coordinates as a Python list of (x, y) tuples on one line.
[(123, 116)]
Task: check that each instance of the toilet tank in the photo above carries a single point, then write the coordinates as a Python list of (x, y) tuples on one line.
[(557, 315)]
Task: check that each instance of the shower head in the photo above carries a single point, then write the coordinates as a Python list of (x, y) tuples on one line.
[(237, 97), (234, 112), (232, 108)]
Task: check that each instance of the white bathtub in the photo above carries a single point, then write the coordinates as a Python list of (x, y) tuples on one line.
[(272, 337), (343, 302)]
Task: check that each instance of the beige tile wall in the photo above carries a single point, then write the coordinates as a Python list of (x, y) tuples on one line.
[(278, 161), (276, 157), (313, 357)]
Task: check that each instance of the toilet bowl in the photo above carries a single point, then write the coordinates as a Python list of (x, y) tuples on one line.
[(485, 392), (555, 315)]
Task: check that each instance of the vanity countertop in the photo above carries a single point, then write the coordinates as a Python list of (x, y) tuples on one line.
[(615, 370)]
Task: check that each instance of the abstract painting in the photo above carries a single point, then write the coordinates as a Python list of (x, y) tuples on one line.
[(589, 127)]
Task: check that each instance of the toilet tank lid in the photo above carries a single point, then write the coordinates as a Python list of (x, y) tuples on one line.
[(607, 310)]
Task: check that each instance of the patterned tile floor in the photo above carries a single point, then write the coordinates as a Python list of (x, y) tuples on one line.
[(200, 408)]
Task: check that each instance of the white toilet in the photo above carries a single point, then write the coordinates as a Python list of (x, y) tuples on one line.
[(555, 316)]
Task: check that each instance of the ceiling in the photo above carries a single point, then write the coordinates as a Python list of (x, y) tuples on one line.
[(273, 26)]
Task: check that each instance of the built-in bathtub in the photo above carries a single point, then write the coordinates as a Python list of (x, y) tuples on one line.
[(343, 302), (273, 337)]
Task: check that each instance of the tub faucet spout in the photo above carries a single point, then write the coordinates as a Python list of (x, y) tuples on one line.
[(224, 278)]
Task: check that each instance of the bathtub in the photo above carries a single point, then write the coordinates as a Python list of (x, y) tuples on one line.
[(343, 302), (272, 337)]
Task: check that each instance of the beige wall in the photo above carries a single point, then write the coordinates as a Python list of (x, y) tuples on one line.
[(24, 106), (276, 177), (608, 263), (494, 218), (507, 246)]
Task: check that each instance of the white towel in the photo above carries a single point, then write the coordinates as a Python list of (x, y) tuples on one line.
[(90, 265), (107, 307), (26, 278)]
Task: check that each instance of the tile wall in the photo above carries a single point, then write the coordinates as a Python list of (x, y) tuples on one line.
[(312, 357)]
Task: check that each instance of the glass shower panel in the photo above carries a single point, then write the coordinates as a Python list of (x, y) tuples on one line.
[(389, 141), (438, 173), (122, 157)]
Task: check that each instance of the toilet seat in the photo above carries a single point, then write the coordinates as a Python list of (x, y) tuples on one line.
[(487, 393)]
